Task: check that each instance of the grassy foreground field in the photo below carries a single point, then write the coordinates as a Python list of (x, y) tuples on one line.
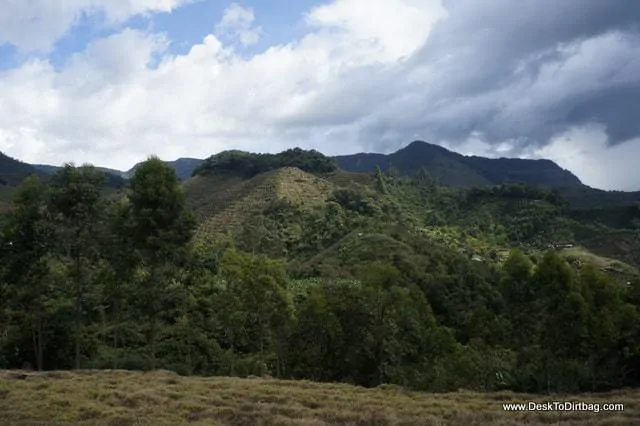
[(120, 398)]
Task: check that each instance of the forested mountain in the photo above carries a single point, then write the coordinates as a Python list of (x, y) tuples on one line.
[(453, 169), (13, 171), (114, 178), (286, 265), (447, 167), (52, 169)]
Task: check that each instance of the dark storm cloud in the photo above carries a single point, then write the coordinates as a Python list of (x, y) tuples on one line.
[(618, 109), (519, 70)]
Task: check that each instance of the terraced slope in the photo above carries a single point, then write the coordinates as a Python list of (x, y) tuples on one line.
[(224, 203), (613, 266), (209, 195), (345, 179)]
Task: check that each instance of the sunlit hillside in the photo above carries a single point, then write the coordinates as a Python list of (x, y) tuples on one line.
[(223, 203)]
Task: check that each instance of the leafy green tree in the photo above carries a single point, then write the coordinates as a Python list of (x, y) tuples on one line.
[(564, 323), (160, 229), (78, 209), (119, 272), (260, 285), (521, 299), (315, 339), (382, 281), (27, 241), (612, 325)]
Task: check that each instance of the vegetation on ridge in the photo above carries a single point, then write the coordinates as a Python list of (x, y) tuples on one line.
[(370, 280), (248, 164)]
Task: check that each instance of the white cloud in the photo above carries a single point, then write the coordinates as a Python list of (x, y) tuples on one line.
[(584, 150), (396, 27), (237, 23), (35, 25), (107, 107)]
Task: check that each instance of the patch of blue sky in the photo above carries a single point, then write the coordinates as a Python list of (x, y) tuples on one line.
[(9, 57), (282, 22)]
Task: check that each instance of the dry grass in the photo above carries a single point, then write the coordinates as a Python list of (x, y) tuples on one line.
[(599, 261), (619, 244), (120, 398), (346, 179)]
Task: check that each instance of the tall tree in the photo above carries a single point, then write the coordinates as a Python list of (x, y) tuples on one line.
[(521, 299), (26, 242), (119, 273), (564, 324), (612, 323), (260, 284), (78, 208), (161, 228)]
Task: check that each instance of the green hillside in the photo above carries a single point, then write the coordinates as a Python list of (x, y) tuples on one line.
[(233, 189), (452, 169), (13, 171), (483, 223), (283, 265)]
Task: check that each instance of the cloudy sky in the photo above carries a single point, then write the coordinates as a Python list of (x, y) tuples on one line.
[(112, 81)]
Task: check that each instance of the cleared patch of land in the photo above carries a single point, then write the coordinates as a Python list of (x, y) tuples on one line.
[(121, 398), (602, 262)]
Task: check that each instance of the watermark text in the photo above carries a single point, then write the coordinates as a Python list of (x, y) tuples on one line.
[(593, 407)]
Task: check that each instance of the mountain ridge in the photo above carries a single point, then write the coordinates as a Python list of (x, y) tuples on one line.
[(443, 166), (453, 169)]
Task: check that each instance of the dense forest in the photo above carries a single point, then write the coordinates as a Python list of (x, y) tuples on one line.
[(375, 285), (249, 164)]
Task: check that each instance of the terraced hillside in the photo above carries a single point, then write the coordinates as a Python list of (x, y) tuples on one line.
[(477, 223), (222, 203), (344, 179)]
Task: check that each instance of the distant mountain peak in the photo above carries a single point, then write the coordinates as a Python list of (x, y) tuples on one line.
[(418, 144), (453, 169)]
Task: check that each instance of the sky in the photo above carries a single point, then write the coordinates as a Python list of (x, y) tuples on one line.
[(111, 82)]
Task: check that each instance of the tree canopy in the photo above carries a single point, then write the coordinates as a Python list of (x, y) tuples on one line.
[(249, 164)]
